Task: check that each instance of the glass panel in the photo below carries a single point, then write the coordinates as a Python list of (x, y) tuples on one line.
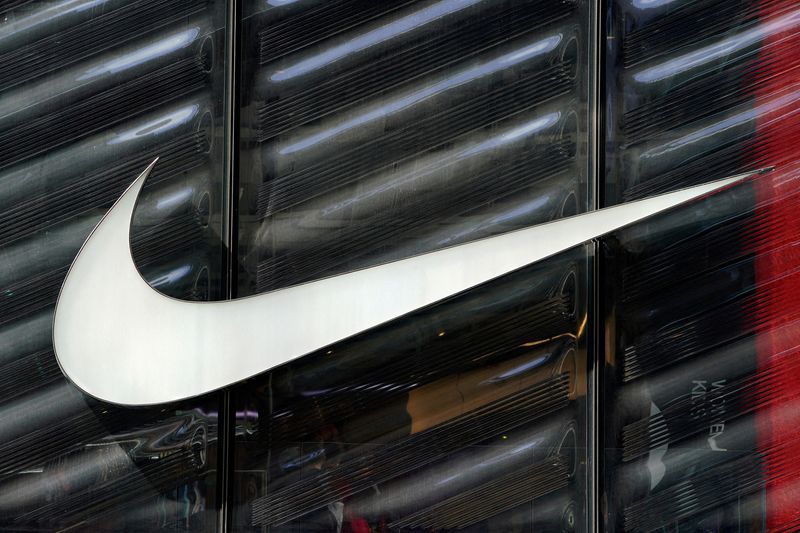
[(91, 91), (376, 131), (693, 88), (701, 420), (468, 414), (373, 132)]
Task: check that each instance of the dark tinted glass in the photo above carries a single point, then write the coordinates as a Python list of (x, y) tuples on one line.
[(702, 335), (91, 92), (377, 131)]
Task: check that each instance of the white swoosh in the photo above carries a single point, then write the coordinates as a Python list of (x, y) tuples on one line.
[(123, 342)]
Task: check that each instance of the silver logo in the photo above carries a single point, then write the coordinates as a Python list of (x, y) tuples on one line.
[(123, 342)]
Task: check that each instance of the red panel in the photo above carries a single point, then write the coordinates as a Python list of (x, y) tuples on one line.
[(779, 134)]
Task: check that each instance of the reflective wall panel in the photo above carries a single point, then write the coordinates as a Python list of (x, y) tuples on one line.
[(700, 305), (376, 131), (91, 91), (371, 131), (469, 414)]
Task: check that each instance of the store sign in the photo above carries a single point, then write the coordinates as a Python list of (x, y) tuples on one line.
[(123, 342)]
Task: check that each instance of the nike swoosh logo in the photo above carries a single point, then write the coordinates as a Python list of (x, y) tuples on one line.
[(123, 342)]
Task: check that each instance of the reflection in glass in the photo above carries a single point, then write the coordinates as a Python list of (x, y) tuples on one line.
[(90, 93)]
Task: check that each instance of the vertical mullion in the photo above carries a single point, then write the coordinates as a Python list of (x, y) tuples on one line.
[(227, 412), (233, 47), (597, 171)]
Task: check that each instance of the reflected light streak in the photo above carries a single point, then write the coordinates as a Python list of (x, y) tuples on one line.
[(493, 460), (539, 342), (143, 54), (176, 198), (172, 276), (57, 401), (51, 13), (728, 123), (515, 134), (461, 471), (518, 133), (448, 479), (649, 4), (465, 76), (582, 327), (499, 219), (71, 476), (521, 369), (159, 125), (718, 50), (371, 38), (519, 211)]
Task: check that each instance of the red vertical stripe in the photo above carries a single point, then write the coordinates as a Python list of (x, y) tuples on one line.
[(778, 144)]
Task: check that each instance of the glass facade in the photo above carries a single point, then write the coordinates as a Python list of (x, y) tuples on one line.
[(643, 381), (90, 93), (400, 129), (701, 332)]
